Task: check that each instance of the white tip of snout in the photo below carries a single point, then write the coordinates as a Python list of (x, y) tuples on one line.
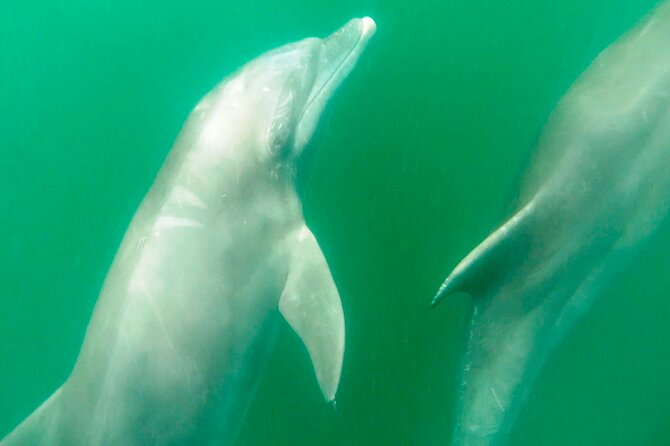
[(368, 26)]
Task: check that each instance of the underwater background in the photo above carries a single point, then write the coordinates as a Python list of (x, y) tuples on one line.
[(417, 158)]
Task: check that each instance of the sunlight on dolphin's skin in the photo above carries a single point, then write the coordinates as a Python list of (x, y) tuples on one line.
[(599, 187), (188, 313)]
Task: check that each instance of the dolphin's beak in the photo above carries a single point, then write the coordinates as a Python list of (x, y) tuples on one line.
[(339, 53)]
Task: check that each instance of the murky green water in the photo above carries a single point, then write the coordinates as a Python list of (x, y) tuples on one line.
[(416, 160)]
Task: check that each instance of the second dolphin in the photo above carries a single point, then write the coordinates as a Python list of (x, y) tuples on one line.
[(599, 187)]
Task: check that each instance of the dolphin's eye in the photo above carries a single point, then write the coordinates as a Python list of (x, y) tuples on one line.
[(278, 137), (279, 134)]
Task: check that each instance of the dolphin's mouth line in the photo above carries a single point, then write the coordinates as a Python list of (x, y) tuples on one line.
[(329, 80)]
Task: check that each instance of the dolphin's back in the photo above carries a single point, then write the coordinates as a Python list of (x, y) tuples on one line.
[(613, 106)]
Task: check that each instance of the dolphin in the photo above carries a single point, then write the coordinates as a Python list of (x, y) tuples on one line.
[(188, 312), (598, 187)]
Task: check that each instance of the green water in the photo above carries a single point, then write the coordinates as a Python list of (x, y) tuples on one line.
[(417, 159)]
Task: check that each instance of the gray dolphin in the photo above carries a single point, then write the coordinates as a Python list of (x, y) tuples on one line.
[(188, 311), (599, 186)]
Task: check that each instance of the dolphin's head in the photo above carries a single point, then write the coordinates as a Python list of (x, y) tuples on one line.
[(287, 89)]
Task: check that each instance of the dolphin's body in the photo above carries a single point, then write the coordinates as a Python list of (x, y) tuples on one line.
[(600, 185), (188, 312)]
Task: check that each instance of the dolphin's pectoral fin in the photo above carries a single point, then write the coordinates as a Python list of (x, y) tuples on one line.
[(311, 305), (488, 261)]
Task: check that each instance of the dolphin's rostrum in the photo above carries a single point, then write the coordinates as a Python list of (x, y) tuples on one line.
[(188, 312), (599, 187)]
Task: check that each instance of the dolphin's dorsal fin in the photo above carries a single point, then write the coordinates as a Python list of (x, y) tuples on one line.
[(311, 305), (490, 258)]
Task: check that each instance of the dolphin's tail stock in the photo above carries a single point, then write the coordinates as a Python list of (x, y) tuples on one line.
[(39, 428)]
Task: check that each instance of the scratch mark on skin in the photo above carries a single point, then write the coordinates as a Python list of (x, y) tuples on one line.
[(169, 222), (649, 25), (161, 323), (199, 176), (123, 336), (140, 243), (182, 197), (497, 400)]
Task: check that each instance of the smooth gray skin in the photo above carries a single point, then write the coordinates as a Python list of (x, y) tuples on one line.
[(599, 187), (188, 312)]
